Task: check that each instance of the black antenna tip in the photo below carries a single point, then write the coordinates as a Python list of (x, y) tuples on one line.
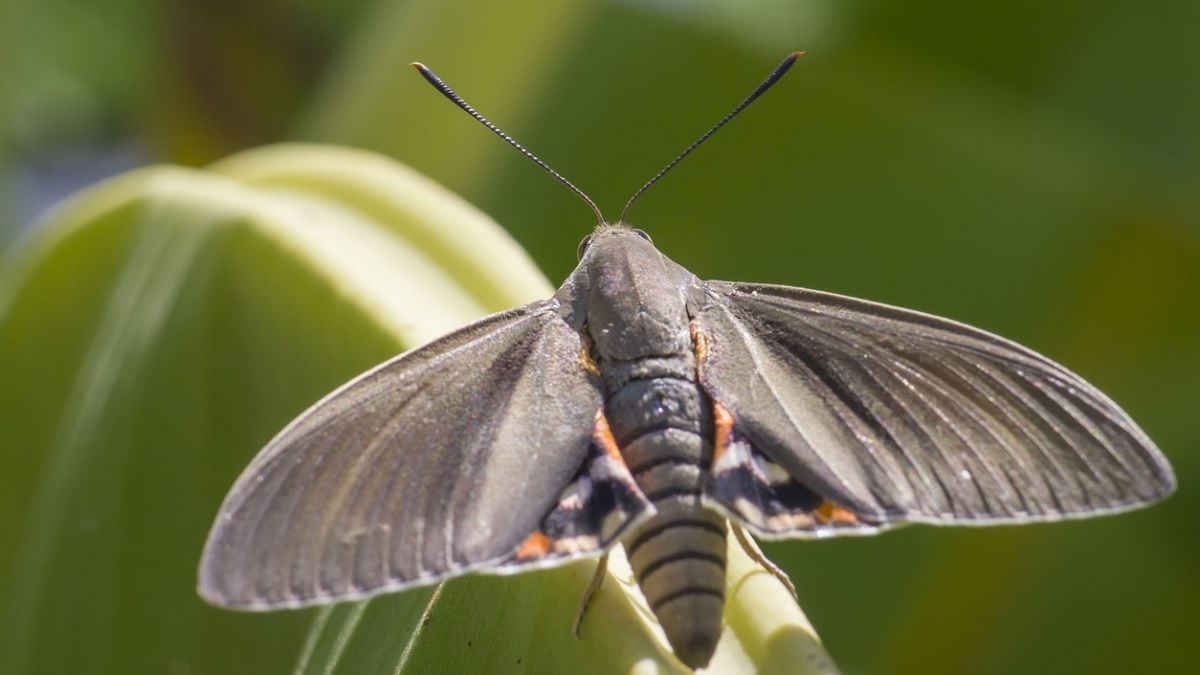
[(779, 72), (426, 73), (457, 100)]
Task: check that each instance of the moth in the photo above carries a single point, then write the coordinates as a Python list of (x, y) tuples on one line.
[(645, 407)]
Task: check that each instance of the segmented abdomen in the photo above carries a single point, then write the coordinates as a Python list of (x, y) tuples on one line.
[(662, 425)]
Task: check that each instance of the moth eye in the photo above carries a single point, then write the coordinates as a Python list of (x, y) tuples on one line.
[(643, 235), (583, 246)]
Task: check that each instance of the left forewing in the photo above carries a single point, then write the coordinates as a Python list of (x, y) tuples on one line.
[(441, 461)]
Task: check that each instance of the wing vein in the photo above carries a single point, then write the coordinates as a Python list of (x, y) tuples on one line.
[(931, 478)]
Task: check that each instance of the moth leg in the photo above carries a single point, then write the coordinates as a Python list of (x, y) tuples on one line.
[(757, 556), (592, 587)]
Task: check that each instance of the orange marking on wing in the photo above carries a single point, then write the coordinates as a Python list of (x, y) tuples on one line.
[(828, 512), (603, 436), (534, 547), (722, 430), (587, 362), (699, 342)]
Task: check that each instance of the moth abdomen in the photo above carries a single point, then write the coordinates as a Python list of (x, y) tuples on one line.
[(644, 405), (662, 426), (662, 422), (678, 557)]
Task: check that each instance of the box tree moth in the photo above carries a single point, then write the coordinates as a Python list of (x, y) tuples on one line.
[(645, 407)]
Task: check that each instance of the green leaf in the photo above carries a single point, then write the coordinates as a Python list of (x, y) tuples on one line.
[(522, 624), (156, 330)]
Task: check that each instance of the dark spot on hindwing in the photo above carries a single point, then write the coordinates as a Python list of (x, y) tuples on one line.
[(593, 511), (763, 495)]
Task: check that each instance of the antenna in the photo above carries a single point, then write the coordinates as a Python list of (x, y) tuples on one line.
[(457, 100), (758, 91)]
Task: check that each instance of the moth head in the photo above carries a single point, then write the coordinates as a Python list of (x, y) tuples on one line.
[(587, 241)]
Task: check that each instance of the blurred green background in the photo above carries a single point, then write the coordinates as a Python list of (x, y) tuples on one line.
[(1031, 168)]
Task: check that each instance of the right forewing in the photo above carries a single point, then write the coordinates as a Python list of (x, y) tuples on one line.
[(901, 416)]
